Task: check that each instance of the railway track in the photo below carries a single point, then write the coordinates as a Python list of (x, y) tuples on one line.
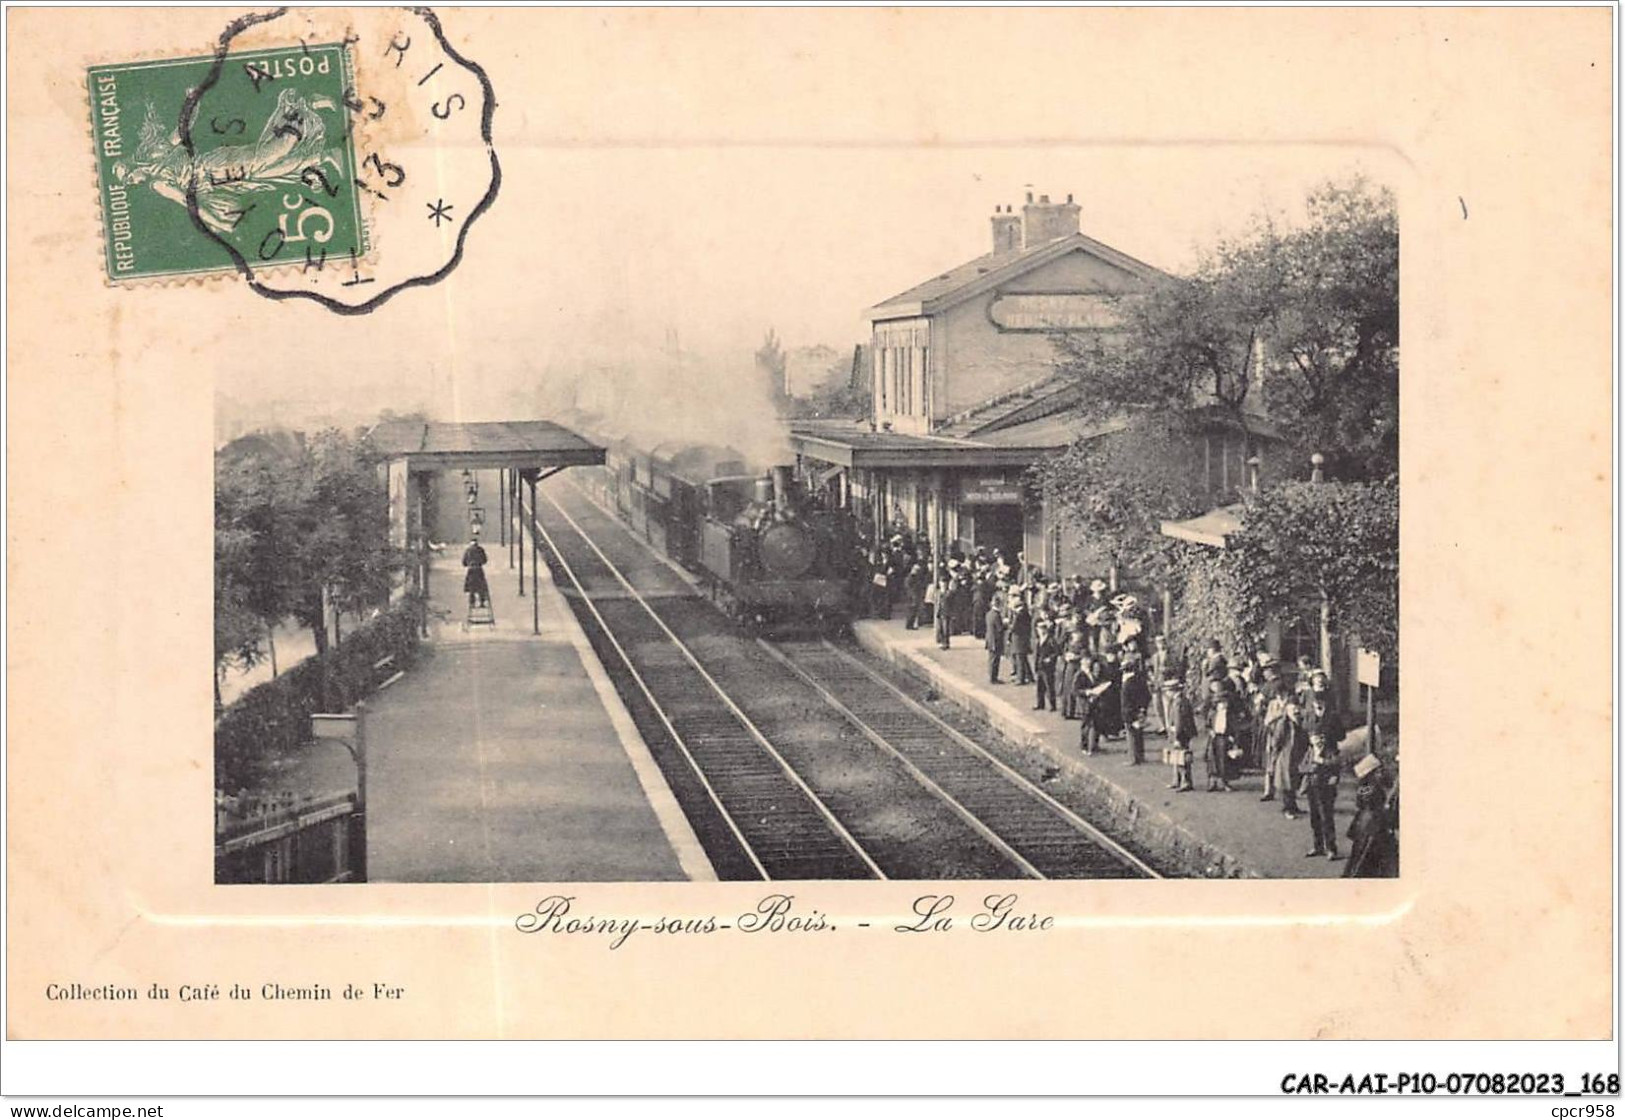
[(1050, 839), (796, 761), (779, 827)]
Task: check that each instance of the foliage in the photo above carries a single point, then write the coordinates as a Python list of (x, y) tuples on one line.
[(1300, 539), (300, 527), (1115, 490), (1302, 323), (770, 363), (257, 516), (1333, 377), (238, 631), (1211, 601), (273, 719), (839, 397)]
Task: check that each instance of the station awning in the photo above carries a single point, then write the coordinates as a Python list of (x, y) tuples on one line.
[(1211, 528), (493, 445), (850, 446)]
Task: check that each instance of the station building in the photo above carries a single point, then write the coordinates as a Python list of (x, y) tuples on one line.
[(968, 394)]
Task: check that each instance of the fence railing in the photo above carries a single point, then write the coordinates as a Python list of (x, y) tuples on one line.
[(318, 841)]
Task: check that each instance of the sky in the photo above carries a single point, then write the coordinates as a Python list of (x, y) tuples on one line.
[(592, 254)]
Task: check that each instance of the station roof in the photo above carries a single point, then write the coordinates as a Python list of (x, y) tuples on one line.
[(847, 444), (992, 269), (492, 445)]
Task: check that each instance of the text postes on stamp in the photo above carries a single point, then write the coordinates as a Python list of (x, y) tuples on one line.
[(272, 165), (333, 155)]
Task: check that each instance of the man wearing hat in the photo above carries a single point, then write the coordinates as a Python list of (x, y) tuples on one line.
[(942, 621), (993, 632), (1097, 612), (1046, 653), (1373, 847), (1163, 666), (1220, 717), (1021, 638), (1324, 767), (1182, 729), (914, 591), (1136, 699), (1074, 648), (474, 583), (1288, 750), (1268, 711)]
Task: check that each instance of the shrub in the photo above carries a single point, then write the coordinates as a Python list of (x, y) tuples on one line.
[(274, 718)]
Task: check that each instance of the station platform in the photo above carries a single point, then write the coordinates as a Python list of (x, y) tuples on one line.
[(505, 756), (1215, 835)]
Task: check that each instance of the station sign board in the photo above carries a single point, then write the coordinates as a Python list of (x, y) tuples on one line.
[(989, 492), (1368, 667), (326, 726), (1057, 311)]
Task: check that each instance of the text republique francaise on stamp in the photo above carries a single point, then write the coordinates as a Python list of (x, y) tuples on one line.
[(273, 167), (331, 155)]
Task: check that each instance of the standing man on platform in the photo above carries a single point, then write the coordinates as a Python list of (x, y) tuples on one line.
[(993, 631), (1324, 770), (1021, 638), (1136, 700), (914, 590), (1046, 652), (943, 621), (1161, 667)]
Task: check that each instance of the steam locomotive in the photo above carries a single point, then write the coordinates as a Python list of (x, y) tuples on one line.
[(770, 558), (763, 553)]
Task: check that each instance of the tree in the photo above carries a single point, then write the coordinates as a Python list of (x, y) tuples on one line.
[(258, 511), (770, 362), (841, 396), (1117, 486), (1301, 540), (238, 631), (1333, 375), (1301, 323), (297, 533)]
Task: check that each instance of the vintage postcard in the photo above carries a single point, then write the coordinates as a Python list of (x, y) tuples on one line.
[(840, 500)]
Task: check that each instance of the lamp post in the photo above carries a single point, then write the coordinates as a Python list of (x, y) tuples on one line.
[(1316, 461)]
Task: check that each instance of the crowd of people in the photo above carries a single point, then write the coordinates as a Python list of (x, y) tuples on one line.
[(1091, 654)]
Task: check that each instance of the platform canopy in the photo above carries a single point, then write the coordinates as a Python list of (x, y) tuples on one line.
[(517, 445), (1212, 528)]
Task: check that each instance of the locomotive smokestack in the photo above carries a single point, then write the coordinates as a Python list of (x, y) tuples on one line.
[(781, 490)]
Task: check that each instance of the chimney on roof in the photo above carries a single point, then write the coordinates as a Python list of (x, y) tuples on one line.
[(1006, 230), (1046, 221)]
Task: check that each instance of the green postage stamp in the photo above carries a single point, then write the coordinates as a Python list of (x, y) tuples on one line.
[(269, 173)]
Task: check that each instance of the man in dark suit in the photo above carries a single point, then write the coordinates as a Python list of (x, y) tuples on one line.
[(1324, 768), (1289, 748), (993, 630), (1021, 639), (1090, 686), (1046, 653), (914, 591), (1136, 696)]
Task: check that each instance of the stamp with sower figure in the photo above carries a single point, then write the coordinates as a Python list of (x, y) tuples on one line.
[(338, 156), (273, 166)]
